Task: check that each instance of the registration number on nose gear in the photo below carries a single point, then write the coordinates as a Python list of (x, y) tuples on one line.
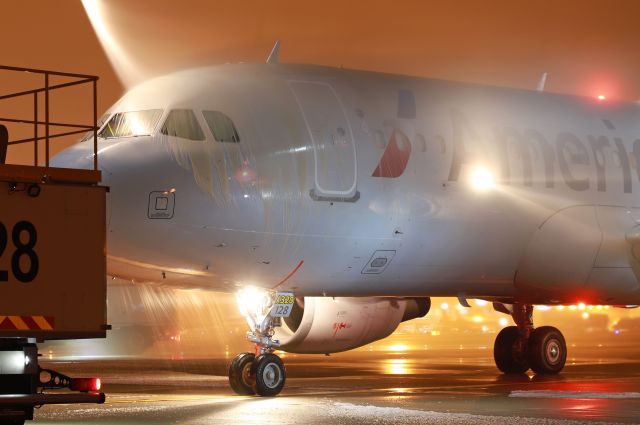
[(283, 304)]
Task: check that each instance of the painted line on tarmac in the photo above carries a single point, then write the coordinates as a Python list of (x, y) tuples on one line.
[(574, 395)]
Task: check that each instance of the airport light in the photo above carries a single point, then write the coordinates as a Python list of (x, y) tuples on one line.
[(601, 97)]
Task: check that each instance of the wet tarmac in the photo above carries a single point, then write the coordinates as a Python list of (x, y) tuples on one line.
[(431, 387)]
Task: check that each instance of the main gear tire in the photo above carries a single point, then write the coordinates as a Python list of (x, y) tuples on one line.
[(547, 350), (504, 352)]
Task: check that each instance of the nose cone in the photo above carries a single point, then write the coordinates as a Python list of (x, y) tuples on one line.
[(79, 156)]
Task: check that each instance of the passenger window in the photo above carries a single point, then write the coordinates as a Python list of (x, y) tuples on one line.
[(221, 126), (182, 123), (131, 124)]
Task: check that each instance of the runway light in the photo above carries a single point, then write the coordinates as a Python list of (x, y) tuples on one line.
[(444, 306), (503, 321), (585, 315), (398, 348), (482, 179), (601, 97)]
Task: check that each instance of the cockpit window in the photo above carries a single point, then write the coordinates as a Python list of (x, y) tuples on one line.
[(221, 126), (89, 134), (131, 124), (182, 123)]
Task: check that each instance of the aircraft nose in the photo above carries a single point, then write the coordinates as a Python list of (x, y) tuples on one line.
[(80, 156)]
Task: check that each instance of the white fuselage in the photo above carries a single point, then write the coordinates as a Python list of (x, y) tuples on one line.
[(350, 183)]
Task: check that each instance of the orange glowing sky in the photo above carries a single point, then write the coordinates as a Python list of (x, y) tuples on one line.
[(587, 46)]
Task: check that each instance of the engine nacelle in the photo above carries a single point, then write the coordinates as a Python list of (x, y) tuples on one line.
[(330, 325)]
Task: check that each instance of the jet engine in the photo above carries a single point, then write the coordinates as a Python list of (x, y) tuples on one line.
[(330, 325)]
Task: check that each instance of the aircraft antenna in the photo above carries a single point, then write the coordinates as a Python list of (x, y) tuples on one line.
[(273, 56), (542, 82)]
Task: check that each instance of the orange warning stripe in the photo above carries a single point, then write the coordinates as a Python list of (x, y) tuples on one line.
[(27, 323)]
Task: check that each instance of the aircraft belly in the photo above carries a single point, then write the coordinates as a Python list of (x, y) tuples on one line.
[(582, 253)]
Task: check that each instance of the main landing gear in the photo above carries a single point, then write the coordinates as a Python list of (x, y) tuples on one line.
[(262, 373), (518, 348)]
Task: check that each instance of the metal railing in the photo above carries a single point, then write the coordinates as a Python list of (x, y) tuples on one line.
[(46, 89)]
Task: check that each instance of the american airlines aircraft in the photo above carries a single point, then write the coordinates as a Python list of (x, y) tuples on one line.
[(336, 202)]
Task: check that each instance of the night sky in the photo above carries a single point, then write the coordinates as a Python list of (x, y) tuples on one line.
[(588, 47)]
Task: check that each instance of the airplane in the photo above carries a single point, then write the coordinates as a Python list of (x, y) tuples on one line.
[(335, 203)]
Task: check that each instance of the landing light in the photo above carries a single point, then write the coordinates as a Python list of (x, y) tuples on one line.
[(252, 299), (482, 179)]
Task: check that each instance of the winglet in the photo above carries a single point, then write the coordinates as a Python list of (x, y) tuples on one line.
[(542, 82), (273, 56)]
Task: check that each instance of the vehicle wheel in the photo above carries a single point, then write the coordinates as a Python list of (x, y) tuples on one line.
[(268, 375), (547, 350), (240, 374), (503, 351)]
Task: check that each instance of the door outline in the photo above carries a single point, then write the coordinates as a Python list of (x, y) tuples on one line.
[(351, 194)]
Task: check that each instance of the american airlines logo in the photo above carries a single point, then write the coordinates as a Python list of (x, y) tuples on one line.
[(398, 151), (524, 156)]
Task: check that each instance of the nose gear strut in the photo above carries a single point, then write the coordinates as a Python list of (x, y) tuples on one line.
[(262, 373)]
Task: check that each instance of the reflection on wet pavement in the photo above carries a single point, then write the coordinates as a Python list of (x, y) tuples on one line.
[(426, 387)]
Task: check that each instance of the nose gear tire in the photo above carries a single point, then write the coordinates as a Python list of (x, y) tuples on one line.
[(240, 374), (268, 375)]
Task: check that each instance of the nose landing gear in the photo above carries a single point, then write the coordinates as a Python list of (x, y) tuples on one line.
[(265, 374), (518, 348)]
